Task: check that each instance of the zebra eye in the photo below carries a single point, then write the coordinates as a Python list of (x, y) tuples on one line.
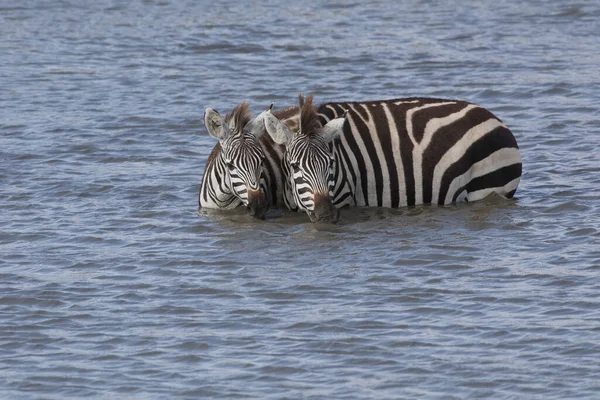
[(229, 165), (295, 166)]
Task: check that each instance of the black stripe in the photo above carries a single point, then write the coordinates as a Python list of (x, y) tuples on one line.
[(360, 162), (342, 198), (218, 175), (339, 176), (303, 190), (268, 146), (497, 178), (331, 111), (382, 125), (371, 148), (455, 197), (406, 148), (497, 139), (326, 114), (422, 117), (352, 178)]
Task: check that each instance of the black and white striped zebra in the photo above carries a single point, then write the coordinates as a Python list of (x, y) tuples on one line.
[(394, 153), (243, 168)]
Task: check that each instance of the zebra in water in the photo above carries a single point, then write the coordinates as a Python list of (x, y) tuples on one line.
[(244, 167), (235, 174), (394, 153)]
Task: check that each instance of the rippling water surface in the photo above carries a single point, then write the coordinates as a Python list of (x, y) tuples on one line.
[(113, 285)]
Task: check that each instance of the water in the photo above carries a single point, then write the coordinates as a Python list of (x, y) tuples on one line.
[(113, 286)]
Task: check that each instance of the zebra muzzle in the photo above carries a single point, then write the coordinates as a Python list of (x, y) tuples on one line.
[(324, 210), (257, 204)]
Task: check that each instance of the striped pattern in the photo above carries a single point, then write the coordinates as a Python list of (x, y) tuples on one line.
[(413, 151)]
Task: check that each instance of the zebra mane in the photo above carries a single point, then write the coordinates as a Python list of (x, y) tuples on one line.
[(309, 119), (214, 153), (289, 116), (240, 117), (286, 113)]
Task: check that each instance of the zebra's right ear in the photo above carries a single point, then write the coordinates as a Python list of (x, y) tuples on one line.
[(278, 131), (215, 125)]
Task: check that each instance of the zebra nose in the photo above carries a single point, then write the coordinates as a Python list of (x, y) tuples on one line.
[(324, 209), (257, 203)]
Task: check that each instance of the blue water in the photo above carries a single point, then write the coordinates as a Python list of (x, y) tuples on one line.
[(112, 285)]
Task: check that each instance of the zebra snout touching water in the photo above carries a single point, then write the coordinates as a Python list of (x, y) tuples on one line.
[(394, 153), (307, 164), (324, 210), (238, 171)]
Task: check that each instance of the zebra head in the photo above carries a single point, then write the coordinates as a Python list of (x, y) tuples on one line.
[(240, 160), (308, 162)]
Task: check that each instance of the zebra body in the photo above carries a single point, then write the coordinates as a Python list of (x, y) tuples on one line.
[(395, 153)]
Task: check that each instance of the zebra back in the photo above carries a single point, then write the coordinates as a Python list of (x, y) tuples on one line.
[(421, 150)]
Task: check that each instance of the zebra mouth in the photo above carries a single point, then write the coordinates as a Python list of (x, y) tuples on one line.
[(331, 218), (256, 212), (256, 205), (323, 209)]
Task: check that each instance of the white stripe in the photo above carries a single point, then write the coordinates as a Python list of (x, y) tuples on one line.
[(406, 102), (483, 193), (397, 156)]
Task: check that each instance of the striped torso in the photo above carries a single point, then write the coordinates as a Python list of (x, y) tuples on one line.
[(412, 151)]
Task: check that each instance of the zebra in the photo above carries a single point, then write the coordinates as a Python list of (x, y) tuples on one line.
[(394, 153), (243, 169)]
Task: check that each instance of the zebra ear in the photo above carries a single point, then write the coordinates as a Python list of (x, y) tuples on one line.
[(278, 131), (257, 125), (214, 124), (333, 129)]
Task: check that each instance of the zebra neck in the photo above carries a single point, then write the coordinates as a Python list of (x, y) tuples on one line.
[(214, 192), (273, 176), (344, 178)]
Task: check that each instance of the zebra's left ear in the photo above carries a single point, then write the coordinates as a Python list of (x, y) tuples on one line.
[(257, 125), (215, 125), (278, 131), (333, 129)]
